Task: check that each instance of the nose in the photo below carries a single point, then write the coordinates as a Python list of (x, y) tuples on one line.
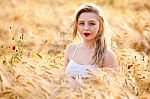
[(86, 27)]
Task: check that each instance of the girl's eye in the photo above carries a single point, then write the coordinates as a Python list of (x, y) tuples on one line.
[(81, 23), (91, 24)]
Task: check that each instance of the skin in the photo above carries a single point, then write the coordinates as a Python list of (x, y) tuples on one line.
[(87, 23)]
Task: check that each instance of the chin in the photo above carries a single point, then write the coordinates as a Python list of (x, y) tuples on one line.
[(88, 38)]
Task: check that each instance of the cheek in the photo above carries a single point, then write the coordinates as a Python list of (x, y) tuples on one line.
[(80, 29), (95, 29)]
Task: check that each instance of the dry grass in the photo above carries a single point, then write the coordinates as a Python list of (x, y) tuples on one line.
[(34, 34)]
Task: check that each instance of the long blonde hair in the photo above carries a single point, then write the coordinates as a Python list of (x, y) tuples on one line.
[(101, 43)]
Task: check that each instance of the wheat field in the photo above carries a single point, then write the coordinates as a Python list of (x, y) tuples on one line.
[(33, 38)]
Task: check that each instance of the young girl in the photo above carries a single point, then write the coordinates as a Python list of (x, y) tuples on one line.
[(92, 52)]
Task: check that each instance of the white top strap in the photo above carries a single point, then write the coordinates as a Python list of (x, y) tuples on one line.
[(75, 50)]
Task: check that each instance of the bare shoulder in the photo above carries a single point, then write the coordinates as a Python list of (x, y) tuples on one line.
[(109, 53), (109, 59), (70, 49)]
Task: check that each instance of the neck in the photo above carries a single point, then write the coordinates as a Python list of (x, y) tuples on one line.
[(89, 44)]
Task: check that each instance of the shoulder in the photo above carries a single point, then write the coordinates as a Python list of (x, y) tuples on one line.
[(71, 46), (109, 53), (109, 59), (70, 49)]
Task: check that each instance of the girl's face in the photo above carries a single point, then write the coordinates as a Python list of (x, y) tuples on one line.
[(88, 25)]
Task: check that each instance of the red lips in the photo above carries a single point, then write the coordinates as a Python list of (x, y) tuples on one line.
[(86, 34)]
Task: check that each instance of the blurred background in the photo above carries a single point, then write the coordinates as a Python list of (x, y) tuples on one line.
[(48, 20), (36, 33)]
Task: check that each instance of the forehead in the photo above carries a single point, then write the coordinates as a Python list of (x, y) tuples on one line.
[(86, 16)]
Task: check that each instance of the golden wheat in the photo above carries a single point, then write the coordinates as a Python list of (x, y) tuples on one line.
[(34, 34)]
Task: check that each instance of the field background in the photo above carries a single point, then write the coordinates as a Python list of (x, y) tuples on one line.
[(34, 35)]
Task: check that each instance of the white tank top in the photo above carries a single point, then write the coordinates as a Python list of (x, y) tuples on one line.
[(75, 69)]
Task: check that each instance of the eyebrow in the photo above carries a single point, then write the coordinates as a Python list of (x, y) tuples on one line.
[(88, 21)]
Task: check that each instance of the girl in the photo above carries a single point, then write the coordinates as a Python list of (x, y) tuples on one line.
[(92, 52)]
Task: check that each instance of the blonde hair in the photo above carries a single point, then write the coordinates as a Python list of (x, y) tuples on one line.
[(101, 43)]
